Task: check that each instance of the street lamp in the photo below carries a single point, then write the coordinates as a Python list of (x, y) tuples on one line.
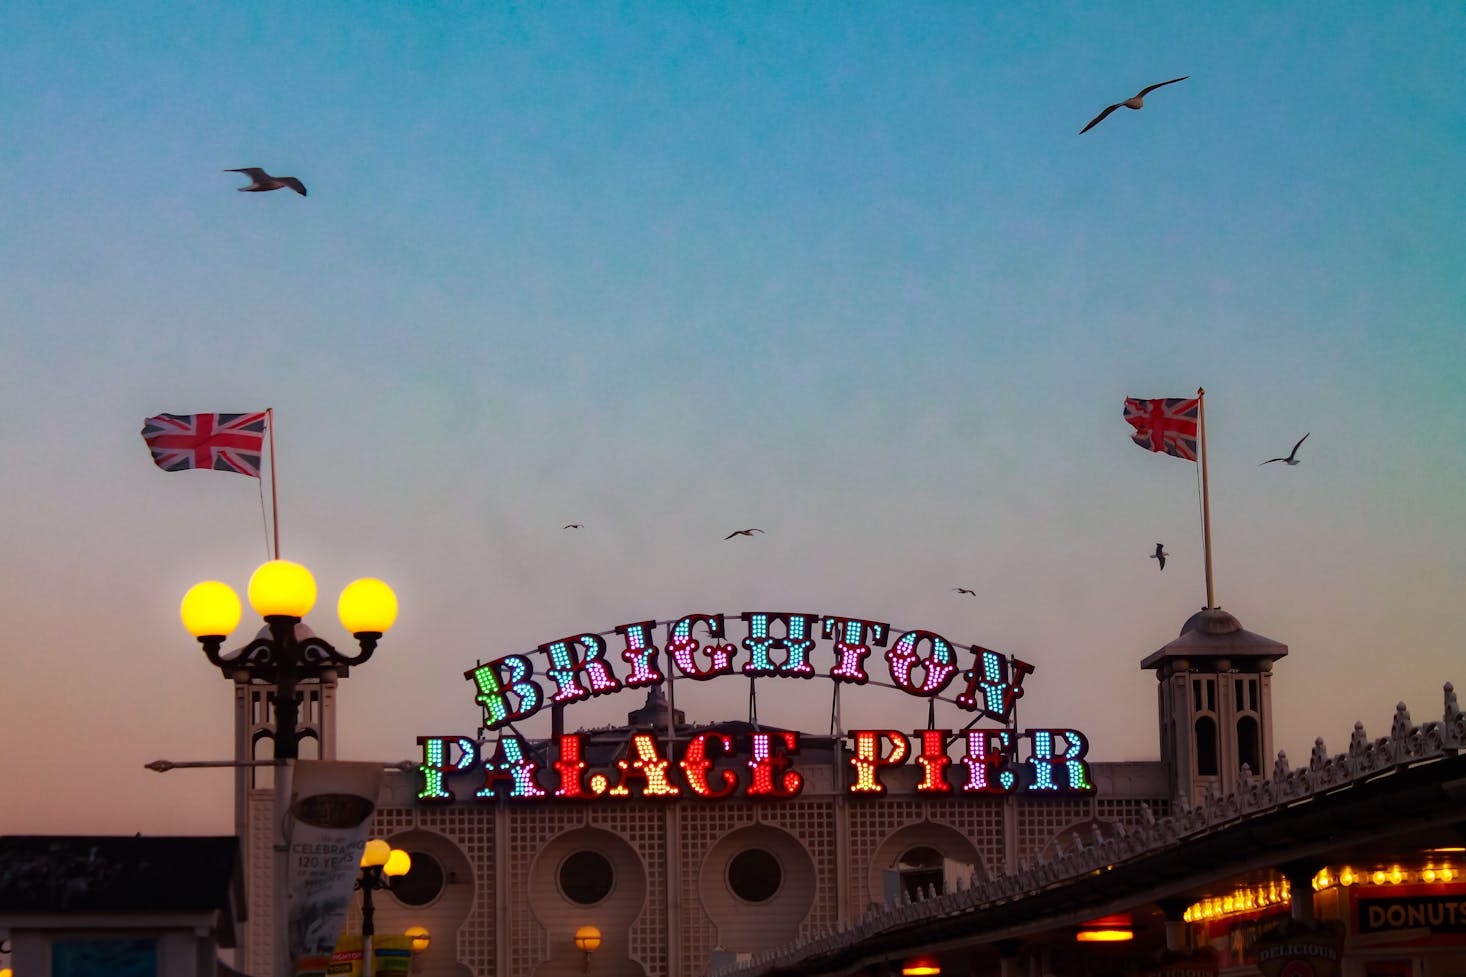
[(587, 941), (380, 865), (282, 593)]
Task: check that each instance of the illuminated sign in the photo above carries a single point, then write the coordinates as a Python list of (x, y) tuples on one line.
[(971, 762), (758, 764), (1437, 913), (579, 666)]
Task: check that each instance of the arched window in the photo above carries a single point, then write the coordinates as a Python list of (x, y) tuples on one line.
[(1249, 744), (1206, 747), (920, 868)]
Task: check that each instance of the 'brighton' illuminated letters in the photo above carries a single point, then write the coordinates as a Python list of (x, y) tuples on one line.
[(580, 666)]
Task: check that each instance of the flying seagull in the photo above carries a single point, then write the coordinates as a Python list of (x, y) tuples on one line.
[(1129, 103), (1160, 555), (574, 525), (742, 532), (1292, 458), (964, 590), (264, 181)]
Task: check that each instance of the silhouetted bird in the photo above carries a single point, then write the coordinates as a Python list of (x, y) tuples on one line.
[(574, 525), (1160, 555), (1292, 458), (742, 532), (1134, 102), (261, 181), (964, 590)]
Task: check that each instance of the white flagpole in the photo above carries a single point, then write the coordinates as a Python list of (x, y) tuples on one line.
[(1205, 496), (274, 495)]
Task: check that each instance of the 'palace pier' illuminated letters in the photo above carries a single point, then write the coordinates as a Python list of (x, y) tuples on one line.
[(711, 764)]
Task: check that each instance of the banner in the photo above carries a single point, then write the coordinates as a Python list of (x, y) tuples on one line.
[(391, 954), (331, 805)]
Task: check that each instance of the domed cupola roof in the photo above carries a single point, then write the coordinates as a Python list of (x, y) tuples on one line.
[(655, 711), (1212, 633)]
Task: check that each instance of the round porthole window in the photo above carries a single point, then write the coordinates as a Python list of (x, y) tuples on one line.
[(586, 877), (423, 882), (755, 875)]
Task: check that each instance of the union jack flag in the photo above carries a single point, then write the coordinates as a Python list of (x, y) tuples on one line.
[(1167, 425), (223, 442)]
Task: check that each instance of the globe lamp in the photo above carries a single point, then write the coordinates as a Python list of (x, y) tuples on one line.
[(210, 609), (398, 863), (367, 606), (281, 588), (375, 853)]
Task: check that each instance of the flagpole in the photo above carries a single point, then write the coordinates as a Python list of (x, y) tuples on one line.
[(274, 496), (1205, 496)]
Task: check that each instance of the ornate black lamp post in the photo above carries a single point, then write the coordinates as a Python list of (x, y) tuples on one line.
[(381, 864), (283, 593)]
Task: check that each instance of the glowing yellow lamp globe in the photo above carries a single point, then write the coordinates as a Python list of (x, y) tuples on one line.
[(398, 863), (282, 589), (587, 939), (419, 936), (367, 606), (375, 853), (210, 609)]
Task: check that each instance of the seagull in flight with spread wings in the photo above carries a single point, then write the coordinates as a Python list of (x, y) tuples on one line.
[(1160, 555), (261, 181), (1133, 102), (1292, 458), (742, 532), (574, 525), (964, 590)]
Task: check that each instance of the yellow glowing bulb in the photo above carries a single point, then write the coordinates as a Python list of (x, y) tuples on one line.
[(587, 939), (375, 853), (1347, 877), (282, 589), (398, 863), (1447, 873), (1428, 875), (1103, 936), (210, 609), (1397, 875), (367, 606), (419, 936), (1378, 876)]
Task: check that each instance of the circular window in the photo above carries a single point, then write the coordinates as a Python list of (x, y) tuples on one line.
[(754, 875), (586, 877), (423, 882)]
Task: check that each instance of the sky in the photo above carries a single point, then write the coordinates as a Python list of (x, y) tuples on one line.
[(844, 272)]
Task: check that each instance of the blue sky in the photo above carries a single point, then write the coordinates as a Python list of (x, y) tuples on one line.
[(844, 272)]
